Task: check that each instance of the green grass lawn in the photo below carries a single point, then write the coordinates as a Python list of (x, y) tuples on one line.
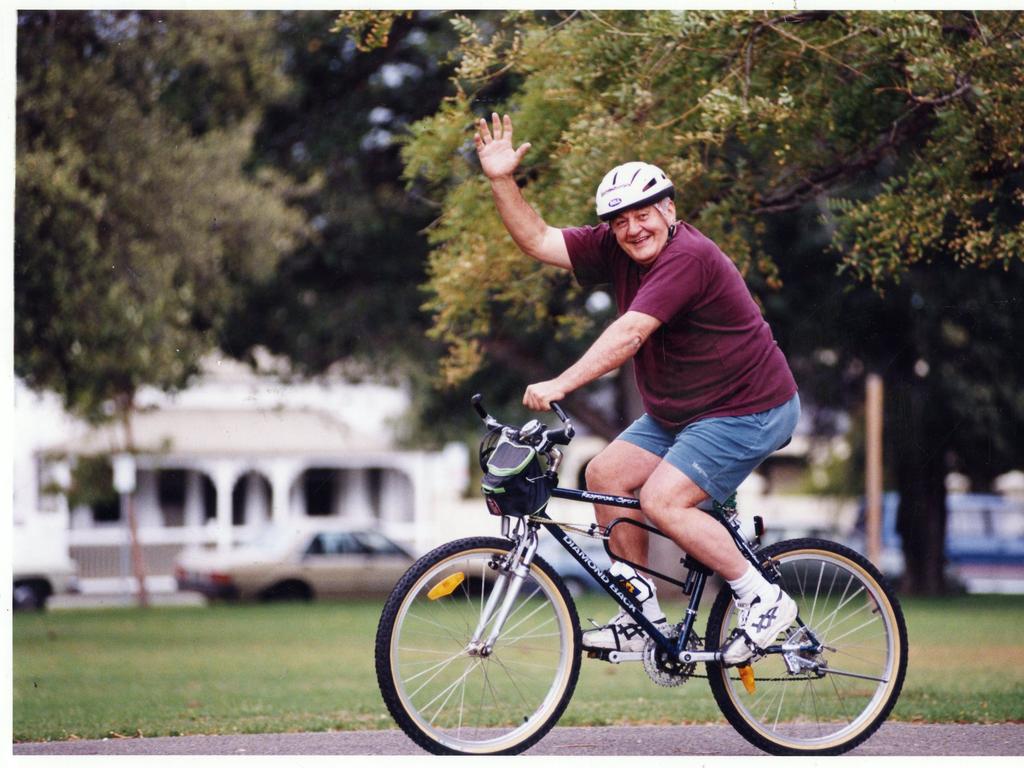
[(278, 668)]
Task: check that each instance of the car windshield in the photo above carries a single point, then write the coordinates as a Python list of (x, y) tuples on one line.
[(377, 544)]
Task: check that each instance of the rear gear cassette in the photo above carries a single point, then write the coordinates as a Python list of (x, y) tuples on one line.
[(662, 669)]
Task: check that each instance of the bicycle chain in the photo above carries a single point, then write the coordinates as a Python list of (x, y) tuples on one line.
[(756, 679)]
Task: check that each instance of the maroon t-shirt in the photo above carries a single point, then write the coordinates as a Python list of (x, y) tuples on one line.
[(714, 354)]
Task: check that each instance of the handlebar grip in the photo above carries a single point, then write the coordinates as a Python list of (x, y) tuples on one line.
[(477, 401)]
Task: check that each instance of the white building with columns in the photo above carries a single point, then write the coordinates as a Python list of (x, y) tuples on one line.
[(218, 463)]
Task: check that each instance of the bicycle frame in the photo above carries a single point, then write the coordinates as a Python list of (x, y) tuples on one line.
[(693, 586)]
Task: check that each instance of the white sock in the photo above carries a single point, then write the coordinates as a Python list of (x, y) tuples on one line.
[(749, 584), (649, 604)]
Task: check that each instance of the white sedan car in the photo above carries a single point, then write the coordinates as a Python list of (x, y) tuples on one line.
[(287, 563)]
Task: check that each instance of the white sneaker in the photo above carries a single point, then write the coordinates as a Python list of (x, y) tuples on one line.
[(760, 621), (622, 633), (619, 634)]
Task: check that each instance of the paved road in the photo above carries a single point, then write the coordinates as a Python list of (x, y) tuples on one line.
[(698, 740)]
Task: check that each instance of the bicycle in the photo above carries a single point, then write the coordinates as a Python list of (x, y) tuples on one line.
[(478, 646)]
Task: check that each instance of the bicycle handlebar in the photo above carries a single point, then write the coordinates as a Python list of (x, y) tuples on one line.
[(477, 401), (546, 436)]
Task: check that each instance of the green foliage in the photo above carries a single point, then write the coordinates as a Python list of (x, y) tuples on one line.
[(909, 123), (369, 29), (351, 294), (134, 218), (92, 483)]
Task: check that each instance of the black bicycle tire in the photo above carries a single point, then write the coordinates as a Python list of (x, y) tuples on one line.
[(382, 648), (717, 673)]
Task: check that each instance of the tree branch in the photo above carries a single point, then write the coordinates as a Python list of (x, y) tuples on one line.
[(795, 195), (964, 86)]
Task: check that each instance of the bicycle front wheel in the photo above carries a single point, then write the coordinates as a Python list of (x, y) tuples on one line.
[(829, 701), (445, 695)]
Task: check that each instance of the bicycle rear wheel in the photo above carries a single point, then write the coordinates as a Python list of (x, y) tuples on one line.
[(843, 693), (450, 701)]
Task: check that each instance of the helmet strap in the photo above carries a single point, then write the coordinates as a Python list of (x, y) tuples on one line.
[(668, 220)]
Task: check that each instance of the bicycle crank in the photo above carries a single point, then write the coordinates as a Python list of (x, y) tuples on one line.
[(662, 668)]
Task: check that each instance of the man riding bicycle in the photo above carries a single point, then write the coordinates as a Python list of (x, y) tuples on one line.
[(718, 394)]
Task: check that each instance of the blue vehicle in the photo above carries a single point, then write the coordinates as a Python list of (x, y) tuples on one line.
[(984, 540)]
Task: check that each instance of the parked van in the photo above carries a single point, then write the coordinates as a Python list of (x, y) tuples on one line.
[(40, 565), (984, 540)]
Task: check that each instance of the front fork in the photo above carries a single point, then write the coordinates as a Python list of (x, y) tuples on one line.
[(506, 589)]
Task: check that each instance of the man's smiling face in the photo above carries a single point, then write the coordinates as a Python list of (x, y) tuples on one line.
[(643, 232)]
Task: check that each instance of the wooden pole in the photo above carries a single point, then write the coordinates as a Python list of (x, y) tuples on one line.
[(873, 465), (125, 482)]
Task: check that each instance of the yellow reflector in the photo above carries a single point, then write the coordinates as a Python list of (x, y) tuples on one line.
[(747, 676), (446, 586)]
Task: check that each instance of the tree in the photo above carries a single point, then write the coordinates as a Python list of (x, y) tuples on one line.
[(942, 338), (351, 297), (351, 293), (134, 218), (130, 228), (904, 127)]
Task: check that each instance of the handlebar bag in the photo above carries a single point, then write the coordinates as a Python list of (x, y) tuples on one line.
[(514, 482)]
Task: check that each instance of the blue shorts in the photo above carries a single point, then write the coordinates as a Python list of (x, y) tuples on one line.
[(718, 453)]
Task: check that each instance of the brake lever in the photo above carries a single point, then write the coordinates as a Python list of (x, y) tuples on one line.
[(568, 431)]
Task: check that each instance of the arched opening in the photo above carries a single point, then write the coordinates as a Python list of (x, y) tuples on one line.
[(318, 486), (360, 494), (186, 497), (251, 499)]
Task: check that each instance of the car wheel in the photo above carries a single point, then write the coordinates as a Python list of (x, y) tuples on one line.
[(287, 591), (29, 597)]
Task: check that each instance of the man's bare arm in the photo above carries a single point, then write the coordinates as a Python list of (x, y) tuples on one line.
[(620, 341), (499, 161)]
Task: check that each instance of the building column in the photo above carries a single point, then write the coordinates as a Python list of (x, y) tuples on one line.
[(224, 481), (147, 500), (282, 477), (194, 512), (354, 501), (60, 473), (396, 497), (257, 505)]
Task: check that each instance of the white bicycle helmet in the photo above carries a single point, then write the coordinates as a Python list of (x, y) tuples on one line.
[(631, 185)]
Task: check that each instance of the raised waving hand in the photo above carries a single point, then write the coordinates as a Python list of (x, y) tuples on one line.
[(498, 157)]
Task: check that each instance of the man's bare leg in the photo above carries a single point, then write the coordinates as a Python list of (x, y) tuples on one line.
[(619, 470), (670, 499)]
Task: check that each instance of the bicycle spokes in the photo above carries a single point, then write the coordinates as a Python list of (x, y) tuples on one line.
[(485, 667), (831, 680)]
